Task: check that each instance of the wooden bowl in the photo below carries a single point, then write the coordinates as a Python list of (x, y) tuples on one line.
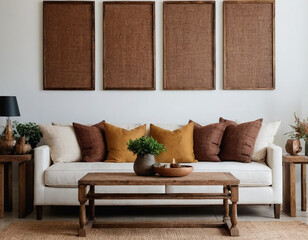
[(174, 172)]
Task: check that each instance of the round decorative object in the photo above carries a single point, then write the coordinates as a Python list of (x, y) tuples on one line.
[(174, 172), (7, 145), (293, 146), (143, 165), (22, 147)]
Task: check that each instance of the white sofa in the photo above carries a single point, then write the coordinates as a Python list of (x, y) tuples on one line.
[(56, 184)]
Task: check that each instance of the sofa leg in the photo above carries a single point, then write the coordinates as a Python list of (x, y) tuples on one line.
[(277, 210), (39, 212)]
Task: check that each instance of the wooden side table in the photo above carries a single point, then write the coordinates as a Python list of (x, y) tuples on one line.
[(25, 182), (289, 182)]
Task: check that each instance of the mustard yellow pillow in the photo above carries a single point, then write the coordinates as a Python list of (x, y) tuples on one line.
[(178, 143), (116, 139)]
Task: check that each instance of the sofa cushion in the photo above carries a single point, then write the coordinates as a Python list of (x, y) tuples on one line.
[(178, 143), (117, 139), (238, 140), (207, 140), (68, 174), (91, 141), (265, 138), (62, 142)]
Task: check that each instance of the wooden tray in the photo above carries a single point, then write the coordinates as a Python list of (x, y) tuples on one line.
[(174, 172)]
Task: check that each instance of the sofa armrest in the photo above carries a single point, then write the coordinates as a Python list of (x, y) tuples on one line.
[(274, 161), (41, 163)]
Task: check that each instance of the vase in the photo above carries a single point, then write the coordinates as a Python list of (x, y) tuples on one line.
[(293, 146), (306, 148), (143, 165), (7, 142), (22, 147)]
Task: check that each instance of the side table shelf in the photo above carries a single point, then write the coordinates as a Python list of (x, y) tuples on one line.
[(25, 183), (289, 183)]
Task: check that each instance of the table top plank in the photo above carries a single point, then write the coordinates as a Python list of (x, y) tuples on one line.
[(15, 158), (196, 178), (295, 159)]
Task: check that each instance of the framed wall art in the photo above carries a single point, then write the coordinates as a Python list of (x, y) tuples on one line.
[(129, 45), (249, 44), (69, 45), (189, 45)]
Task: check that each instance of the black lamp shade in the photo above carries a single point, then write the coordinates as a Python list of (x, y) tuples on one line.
[(9, 106)]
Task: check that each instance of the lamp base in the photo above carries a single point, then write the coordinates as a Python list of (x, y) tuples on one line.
[(7, 142)]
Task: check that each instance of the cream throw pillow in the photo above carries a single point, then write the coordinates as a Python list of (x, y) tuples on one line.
[(62, 142), (265, 138)]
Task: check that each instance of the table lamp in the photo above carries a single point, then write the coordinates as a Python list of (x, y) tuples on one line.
[(8, 108)]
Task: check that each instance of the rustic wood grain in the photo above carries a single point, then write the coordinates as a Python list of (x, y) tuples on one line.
[(303, 187), (82, 217), (234, 231), (160, 224), (189, 45), (289, 183), (69, 45), (158, 196), (22, 185), (15, 158), (292, 190), (226, 203), (129, 45), (1, 190), (210, 178), (25, 183), (8, 187), (249, 45), (299, 159), (286, 187), (226, 179), (277, 210)]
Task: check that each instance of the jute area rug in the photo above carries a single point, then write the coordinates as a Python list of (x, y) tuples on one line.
[(68, 229)]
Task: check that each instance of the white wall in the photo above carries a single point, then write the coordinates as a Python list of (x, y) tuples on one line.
[(21, 75)]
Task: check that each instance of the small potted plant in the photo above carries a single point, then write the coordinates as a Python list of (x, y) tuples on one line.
[(300, 131), (28, 134), (145, 148)]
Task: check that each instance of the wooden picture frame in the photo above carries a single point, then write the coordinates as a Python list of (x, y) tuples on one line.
[(129, 45), (189, 45), (69, 45), (249, 45)]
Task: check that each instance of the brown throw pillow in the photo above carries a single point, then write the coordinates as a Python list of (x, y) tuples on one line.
[(239, 140), (117, 139), (178, 143), (91, 141), (207, 140)]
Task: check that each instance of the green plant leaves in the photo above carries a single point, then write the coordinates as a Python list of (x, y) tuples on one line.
[(30, 131), (145, 145)]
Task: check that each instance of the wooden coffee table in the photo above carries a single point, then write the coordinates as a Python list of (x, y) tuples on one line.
[(227, 180)]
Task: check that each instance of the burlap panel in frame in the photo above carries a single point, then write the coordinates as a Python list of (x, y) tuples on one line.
[(69, 45), (129, 45), (189, 45), (249, 53)]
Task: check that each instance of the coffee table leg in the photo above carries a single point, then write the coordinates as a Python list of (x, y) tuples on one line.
[(82, 217), (92, 204), (234, 199), (226, 205)]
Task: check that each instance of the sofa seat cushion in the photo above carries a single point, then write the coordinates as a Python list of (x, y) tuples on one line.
[(68, 174)]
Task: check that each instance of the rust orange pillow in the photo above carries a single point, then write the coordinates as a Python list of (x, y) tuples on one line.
[(239, 140), (91, 141), (116, 139), (207, 140), (179, 144)]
